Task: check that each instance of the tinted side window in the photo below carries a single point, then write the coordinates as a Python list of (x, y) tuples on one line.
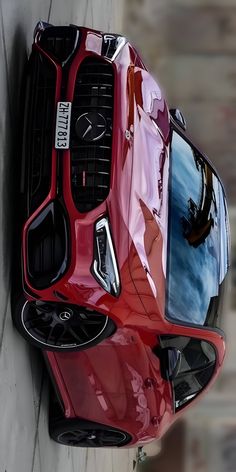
[(196, 369)]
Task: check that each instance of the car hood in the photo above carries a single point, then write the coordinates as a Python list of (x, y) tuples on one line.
[(148, 207)]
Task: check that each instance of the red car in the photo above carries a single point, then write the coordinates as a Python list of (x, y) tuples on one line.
[(124, 245)]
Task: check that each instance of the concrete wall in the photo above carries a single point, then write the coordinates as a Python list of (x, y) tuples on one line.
[(25, 445), (191, 47)]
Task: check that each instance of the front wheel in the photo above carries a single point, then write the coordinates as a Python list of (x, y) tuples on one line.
[(82, 433), (60, 326)]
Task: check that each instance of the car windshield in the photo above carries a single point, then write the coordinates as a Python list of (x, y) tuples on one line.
[(197, 239)]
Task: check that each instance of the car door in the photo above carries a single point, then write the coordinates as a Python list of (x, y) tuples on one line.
[(197, 366)]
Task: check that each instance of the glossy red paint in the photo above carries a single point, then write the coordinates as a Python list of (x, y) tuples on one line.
[(110, 383), (107, 383)]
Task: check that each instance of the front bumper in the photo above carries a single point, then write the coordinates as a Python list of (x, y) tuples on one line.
[(67, 191)]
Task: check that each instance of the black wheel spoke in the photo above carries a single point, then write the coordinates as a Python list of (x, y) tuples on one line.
[(105, 439), (70, 436), (92, 442), (61, 325), (82, 327), (52, 328), (43, 308), (78, 435), (91, 322), (81, 434), (39, 316), (74, 334), (35, 323), (60, 335), (74, 437)]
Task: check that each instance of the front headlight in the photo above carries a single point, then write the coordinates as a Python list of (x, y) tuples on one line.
[(112, 45), (104, 265)]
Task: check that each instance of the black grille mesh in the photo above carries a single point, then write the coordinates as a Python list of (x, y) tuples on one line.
[(38, 139), (91, 161), (59, 42), (47, 246)]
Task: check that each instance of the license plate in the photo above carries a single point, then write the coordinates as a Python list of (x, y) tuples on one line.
[(62, 136)]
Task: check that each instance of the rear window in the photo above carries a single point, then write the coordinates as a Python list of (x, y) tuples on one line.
[(197, 239)]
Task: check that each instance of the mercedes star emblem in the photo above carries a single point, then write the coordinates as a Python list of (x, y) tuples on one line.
[(91, 126), (65, 316)]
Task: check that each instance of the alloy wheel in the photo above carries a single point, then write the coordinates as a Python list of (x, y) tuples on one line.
[(93, 438), (57, 325)]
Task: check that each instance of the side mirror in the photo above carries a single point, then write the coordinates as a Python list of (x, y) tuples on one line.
[(170, 358), (178, 117)]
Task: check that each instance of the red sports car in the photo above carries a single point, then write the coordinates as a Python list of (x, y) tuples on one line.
[(125, 243)]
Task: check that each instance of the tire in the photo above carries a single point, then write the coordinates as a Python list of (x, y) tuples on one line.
[(59, 326), (82, 433)]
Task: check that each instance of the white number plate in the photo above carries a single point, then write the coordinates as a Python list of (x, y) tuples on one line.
[(62, 136)]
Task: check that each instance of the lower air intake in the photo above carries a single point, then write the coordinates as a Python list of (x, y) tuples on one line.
[(47, 247)]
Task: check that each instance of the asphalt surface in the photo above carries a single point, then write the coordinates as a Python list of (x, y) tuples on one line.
[(25, 445)]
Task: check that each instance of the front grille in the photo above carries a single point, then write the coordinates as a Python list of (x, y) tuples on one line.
[(59, 42), (91, 161), (38, 128), (47, 246)]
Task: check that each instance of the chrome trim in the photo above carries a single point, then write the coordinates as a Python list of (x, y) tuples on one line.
[(121, 45), (74, 48), (95, 267), (104, 224), (41, 26), (121, 40)]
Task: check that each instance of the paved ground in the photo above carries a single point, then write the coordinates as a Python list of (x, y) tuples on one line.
[(24, 442)]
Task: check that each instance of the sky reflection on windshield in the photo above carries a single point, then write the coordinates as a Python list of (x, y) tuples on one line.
[(194, 270)]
